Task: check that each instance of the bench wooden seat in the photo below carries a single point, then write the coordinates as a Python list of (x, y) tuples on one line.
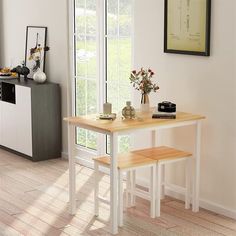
[(126, 160), (162, 153)]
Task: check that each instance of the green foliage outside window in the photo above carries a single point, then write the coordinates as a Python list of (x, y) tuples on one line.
[(118, 63)]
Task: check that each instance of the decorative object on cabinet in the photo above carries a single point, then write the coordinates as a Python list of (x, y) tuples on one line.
[(107, 108), (165, 110), (111, 116), (30, 118), (21, 70), (187, 27), (39, 76), (35, 51), (6, 73), (142, 81), (128, 111), (166, 107)]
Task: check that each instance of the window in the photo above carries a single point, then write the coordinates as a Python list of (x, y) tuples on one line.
[(102, 61)]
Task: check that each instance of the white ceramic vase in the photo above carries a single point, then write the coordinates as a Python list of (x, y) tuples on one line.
[(39, 76), (144, 105)]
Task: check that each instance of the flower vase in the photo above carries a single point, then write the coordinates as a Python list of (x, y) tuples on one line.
[(145, 105), (39, 76)]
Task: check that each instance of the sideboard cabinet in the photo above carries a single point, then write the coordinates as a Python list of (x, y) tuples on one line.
[(30, 118)]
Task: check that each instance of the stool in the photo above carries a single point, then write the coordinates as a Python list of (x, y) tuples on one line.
[(166, 155), (128, 162)]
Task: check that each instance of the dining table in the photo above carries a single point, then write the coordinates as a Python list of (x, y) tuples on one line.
[(121, 126)]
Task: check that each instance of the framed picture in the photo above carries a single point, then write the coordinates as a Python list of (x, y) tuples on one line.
[(36, 37), (187, 27)]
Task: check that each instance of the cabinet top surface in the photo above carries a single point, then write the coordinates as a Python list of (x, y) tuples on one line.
[(143, 120), (27, 83)]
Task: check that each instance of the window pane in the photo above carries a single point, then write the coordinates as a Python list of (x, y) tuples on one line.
[(124, 60), (124, 142), (81, 64), (80, 3), (91, 17), (125, 26), (125, 8), (118, 70), (112, 17), (80, 97), (91, 5), (91, 97), (80, 20), (119, 59), (86, 84), (91, 140), (124, 96), (113, 95), (91, 57), (81, 137), (112, 60)]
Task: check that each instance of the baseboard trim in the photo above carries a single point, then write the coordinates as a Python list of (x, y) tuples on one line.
[(208, 205), (64, 155)]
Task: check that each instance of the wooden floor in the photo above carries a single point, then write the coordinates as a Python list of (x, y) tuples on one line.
[(34, 199)]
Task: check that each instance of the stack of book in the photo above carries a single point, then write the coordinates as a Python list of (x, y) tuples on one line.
[(163, 115)]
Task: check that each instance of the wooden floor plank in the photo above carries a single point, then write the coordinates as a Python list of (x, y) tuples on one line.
[(34, 201), (206, 215), (7, 230), (217, 229), (17, 225)]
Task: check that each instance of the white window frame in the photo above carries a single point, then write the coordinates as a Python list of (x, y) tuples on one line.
[(82, 153)]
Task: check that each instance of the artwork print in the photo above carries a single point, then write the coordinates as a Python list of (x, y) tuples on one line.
[(35, 48), (187, 27)]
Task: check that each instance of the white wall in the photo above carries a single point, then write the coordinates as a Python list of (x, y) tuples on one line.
[(203, 85), (15, 15)]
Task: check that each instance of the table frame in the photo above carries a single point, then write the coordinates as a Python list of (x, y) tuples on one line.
[(113, 167)]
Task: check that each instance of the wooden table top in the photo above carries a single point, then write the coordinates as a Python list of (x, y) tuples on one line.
[(144, 120)]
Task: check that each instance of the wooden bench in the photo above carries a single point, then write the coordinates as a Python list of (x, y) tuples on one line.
[(129, 163), (165, 155)]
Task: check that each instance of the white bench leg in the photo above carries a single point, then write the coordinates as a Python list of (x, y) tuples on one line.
[(158, 190), (187, 183), (120, 200), (152, 191), (163, 169), (96, 189), (128, 188), (133, 187)]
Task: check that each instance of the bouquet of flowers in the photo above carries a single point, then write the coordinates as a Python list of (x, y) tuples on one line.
[(142, 81), (36, 54)]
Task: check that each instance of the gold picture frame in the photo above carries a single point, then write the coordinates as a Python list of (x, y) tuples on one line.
[(187, 27)]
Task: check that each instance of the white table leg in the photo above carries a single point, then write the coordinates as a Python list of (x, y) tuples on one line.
[(155, 142), (158, 190), (187, 182), (154, 138), (120, 190), (196, 179), (114, 183), (72, 175), (96, 189), (153, 191)]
